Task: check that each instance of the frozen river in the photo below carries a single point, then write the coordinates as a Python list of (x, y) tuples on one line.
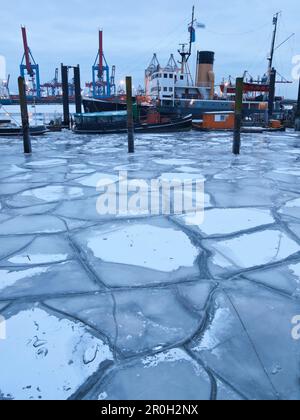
[(150, 306)]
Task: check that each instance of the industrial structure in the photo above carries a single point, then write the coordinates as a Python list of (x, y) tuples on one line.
[(29, 69), (4, 88), (103, 82)]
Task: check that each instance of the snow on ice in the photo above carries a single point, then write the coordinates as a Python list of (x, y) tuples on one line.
[(147, 306)]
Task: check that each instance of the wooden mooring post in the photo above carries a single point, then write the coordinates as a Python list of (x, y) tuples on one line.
[(238, 116), (297, 117), (130, 122), (24, 115), (65, 92), (78, 99), (272, 93)]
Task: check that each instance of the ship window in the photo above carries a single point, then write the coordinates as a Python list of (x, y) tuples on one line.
[(221, 118), (181, 77), (165, 89), (171, 76), (171, 89), (165, 76)]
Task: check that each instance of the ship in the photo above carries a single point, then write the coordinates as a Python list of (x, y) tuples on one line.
[(173, 90)]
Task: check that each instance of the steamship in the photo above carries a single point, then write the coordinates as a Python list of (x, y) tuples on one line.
[(173, 90)]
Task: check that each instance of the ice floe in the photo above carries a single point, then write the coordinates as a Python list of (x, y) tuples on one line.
[(145, 246), (251, 250), (229, 221), (45, 357)]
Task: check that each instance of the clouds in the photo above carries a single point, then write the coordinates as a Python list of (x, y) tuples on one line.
[(239, 33)]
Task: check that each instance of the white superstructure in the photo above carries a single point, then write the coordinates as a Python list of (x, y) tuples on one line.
[(174, 84)]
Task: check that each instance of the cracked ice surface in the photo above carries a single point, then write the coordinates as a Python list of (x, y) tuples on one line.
[(57, 354), (150, 307)]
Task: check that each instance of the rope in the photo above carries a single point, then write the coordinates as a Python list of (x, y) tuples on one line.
[(9, 114)]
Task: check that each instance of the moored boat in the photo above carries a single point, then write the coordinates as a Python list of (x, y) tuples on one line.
[(14, 130), (116, 123)]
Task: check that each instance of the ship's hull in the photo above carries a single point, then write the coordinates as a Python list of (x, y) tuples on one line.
[(91, 105), (183, 107), (178, 125), (18, 131)]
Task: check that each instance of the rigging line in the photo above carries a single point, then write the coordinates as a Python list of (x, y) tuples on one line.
[(238, 33), (9, 114), (284, 42)]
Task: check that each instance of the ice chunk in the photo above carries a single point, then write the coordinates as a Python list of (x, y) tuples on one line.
[(181, 176), (36, 259), (228, 221), (292, 208), (173, 162), (23, 225), (49, 163), (147, 319), (145, 246), (56, 367), (249, 342), (95, 179), (172, 375), (242, 193), (10, 245), (288, 171), (285, 278), (43, 250), (195, 295), (251, 250), (68, 277), (10, 278), (226, 393), (54, 193), (3, 305), (226, 349)]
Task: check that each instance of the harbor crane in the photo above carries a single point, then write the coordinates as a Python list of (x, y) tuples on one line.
[(101, 84), (29, 69)]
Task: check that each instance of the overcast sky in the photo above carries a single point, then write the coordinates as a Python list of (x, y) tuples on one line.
[(238, 31)]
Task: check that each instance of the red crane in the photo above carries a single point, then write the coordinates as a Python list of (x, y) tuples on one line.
[(100, 54), (29, 66), (27, 52)]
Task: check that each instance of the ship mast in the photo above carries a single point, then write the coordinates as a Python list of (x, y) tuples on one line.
[(192, 32), (185, 55), (271, 58)]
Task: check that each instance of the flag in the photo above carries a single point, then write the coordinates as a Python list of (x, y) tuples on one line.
[(193, 33)]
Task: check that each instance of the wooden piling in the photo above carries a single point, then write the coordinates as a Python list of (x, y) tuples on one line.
[(238, 115), (24, 115), (130, 122), (65, 92), (272, 92), (78, 98), (297, 117)]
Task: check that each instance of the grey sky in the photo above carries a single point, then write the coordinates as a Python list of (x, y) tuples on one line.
[(238, 31)]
